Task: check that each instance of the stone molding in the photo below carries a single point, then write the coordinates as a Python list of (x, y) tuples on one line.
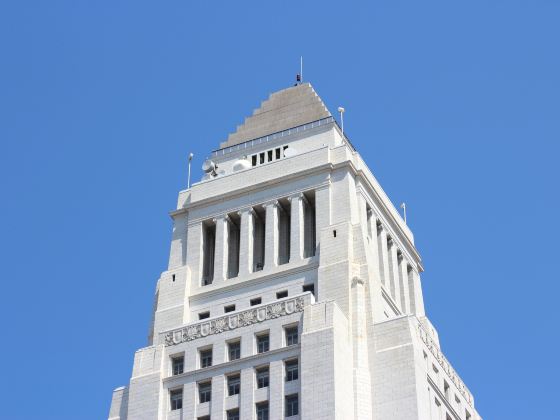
[(444, 363), (231, 322)]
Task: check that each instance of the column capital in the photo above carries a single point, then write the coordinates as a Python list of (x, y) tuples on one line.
[(249, 210), (271, 203)]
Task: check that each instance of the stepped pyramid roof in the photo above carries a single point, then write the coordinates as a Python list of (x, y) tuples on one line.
[(287, 108)]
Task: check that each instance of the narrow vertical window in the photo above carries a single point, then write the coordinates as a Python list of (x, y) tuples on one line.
[(292, 405), (261, 158), (206, 358), (177, 364), (254, 160), (234, 350), (208, 250), (277, 151), (176, 399), (391, 267), (292, 370), (233, 414), (291, 335), (269, 155), (262, 377), (234, 384), (204, 392), (262, 410), (263, 343)]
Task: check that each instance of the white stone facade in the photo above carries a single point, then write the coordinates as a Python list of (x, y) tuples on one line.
[(292, 250)]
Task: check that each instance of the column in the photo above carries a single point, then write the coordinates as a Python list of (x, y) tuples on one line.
[(415, 290), (296, 228), (403, 284), (247, 394), (271, 235), (220, 254), (383, 256), (276, 387), (394, 274), (246, 242), (219, 386)]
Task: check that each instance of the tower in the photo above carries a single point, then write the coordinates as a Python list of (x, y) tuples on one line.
[(293, 289)]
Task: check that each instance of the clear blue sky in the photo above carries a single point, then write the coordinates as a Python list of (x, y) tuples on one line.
[(454, 105)]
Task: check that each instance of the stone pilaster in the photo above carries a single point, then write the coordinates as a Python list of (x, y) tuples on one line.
[(296, 227), (271, 235), (246, 242), (221, 247)]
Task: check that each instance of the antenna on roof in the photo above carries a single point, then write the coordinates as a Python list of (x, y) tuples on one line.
[(189, 175), (299, 76), (403, 206)]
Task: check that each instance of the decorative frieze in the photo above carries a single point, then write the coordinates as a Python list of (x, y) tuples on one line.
[(444, 363), (235, 320)]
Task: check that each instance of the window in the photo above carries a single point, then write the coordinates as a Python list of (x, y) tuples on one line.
[(261, 158), (205, 358), (177, 365), (277, 151), (233, 414), (270, 155), (233, 384), (292, 370), (292, 405), (176, 399), (234, 350), (204, 392), (263, 343), (262, 411), (291, 335), (262, 377), (254, 160), (204, 315), (256, 301), (281, 295), (229, 308), (309, 288)]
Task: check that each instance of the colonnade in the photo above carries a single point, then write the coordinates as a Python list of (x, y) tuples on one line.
[(258, 238)]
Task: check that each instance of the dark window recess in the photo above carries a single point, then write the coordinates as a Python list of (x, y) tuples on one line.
[(204, 315), (281, 295), (229, 308), (205, 358), (277, 153), (233, 414), (270, 155), (254, 160), (204, 392), (261, 158), (291, 336), (234, 350), (309, 288), (262, 411), (292, 405), (292, 370), (334, 233), (263, 343), (173, 277), (176, 399), (234, 385), (177, 363), (262, 377), (256, 301)]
